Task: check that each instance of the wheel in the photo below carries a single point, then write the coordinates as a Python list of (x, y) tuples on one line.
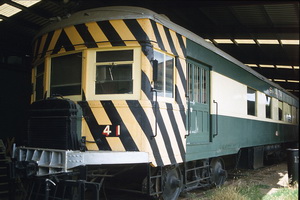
[(172, 184), (218, 172)]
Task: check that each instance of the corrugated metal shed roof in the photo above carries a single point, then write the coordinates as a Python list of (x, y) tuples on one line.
[(255, 20)]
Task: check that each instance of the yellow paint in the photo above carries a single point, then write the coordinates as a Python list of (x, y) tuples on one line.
[(179, 84), (171, 134), (62, 50), (54, 40), (115, 144), (87, 133), (134, 128), (84, 72), (159, 139), (99, 113), (97, 34), (33, 80), (47, 75), (124, 32), (147, 27), (74, 37), (164, 37), (176, 44), (42, 44)]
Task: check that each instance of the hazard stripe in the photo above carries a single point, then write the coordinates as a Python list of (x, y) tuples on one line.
[(164, 132), (97, 34), (115, 118), (47, 43), (86, 36), (54, 40), (181, 43), (157, 35), (74, 37), (63, 42), (181, 74), (124, 32), (167, 146), (161, 30), (42, 44), (111, 33), (38, 44), (176, 130), (170, 41), (144, 41), (134, 128), (137, 31), (137, 111), (94, 127), (146, 26), (176, 43)]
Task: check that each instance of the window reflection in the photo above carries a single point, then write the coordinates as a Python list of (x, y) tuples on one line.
[(66, 75), (164, 84), (114, 72)]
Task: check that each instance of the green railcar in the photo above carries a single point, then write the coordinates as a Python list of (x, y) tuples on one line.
[(152, 108)]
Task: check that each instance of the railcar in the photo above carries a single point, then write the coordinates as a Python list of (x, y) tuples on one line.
[(126, 99)]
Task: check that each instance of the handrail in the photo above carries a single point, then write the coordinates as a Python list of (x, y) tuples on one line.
[(155, 112), (189, 117), (217, 116)]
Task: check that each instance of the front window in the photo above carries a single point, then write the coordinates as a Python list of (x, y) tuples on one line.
[(66, 75), (114, 72), (165, 75), (39, 82)]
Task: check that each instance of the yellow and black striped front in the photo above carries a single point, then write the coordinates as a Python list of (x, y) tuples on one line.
[(132, 123)]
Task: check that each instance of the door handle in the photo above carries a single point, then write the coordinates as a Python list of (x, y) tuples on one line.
[(217, 116)]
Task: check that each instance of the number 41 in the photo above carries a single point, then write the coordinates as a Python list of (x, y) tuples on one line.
[(107, 131)]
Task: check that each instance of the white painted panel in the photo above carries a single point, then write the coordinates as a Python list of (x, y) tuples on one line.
[(230, 95), (260, 105), (232, 101)]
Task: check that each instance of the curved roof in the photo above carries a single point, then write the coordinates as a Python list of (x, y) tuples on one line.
[(131, 12)]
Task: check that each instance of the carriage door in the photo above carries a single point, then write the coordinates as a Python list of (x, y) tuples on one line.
[(198, 119)]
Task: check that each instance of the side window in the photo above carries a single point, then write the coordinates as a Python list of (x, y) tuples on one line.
[(114, 72), (39, 82), (268, 107), (190, 80), (280, 110), (251, 101), (197, 83), (204, 90), (165, 75), (288, 113), (66, 75)]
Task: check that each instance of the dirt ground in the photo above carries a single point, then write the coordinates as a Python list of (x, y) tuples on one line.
[(274, 176)]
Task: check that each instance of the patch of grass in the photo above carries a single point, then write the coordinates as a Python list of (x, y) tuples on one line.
[(290, 193), (249, 191), (252, 191)]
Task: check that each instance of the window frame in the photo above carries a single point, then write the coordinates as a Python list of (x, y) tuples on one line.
[(280, 109), (268, 108), (255, 102), (37, 75), (165, 97), (202, 83), (47, 87), (91, 69), (116, 63)]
